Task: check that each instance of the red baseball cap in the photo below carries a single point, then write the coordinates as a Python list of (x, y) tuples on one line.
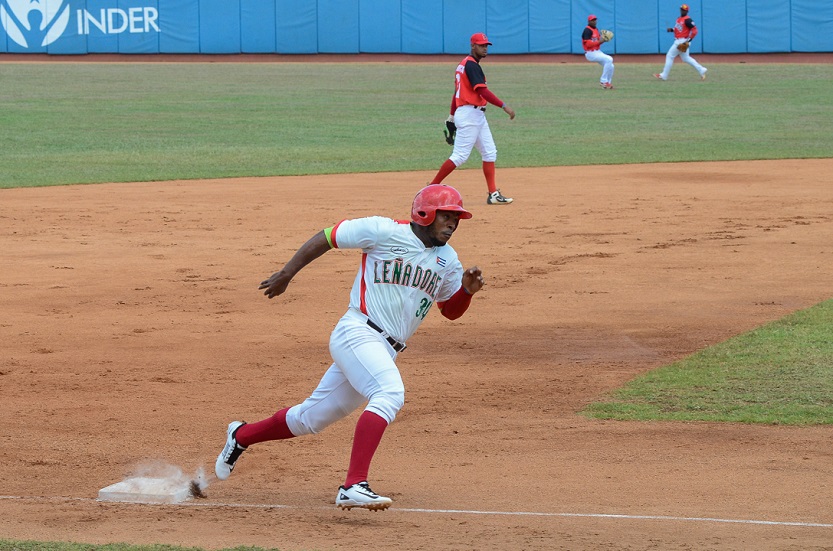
[(684, 7), (480, 38), (591, 17)]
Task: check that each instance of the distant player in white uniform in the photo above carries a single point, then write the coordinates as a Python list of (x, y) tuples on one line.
[(406, 267)]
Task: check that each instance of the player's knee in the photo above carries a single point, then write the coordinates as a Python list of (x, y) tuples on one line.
[(387, 404), (296, 422), (302, 420), (303, 423), (459, 159)]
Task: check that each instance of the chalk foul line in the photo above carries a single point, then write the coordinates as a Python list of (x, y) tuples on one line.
[(201, 503)]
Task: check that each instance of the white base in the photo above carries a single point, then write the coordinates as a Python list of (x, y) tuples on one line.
[(146, 490)]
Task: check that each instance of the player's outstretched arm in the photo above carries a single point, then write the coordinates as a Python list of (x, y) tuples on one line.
[(309, 251)]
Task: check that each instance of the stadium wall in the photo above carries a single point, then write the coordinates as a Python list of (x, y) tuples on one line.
[(403, 26)]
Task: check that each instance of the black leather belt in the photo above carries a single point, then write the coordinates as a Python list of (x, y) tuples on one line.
[(481, 108), (398, 346)]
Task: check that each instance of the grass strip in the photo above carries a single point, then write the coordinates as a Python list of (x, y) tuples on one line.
[(780, 374)]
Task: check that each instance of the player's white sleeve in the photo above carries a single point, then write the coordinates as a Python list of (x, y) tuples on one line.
[(362, 233), (451, 283)]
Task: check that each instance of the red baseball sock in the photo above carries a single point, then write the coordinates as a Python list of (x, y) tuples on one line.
[(447, 168), (273, 428), (369, 431), (489, 172)]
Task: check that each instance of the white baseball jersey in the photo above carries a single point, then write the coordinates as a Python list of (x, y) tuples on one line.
[(399, 278)]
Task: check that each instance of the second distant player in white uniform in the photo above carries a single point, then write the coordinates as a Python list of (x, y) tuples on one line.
[(406, 267)]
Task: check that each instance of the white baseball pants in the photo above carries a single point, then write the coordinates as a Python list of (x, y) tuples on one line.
[(674, 52), (363, 371), (606, 61), (472, 131)]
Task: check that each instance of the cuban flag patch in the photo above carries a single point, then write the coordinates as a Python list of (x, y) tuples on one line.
[(441, 262)]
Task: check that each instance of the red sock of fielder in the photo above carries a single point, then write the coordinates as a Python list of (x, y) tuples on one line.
[(369, 431), (447, 168), (489, 172)]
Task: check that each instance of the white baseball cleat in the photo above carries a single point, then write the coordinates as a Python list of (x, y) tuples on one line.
[(703, 75), (495, 198), (231, 452), (360, 495)]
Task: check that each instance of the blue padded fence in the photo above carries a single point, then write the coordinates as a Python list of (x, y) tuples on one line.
[(403, 26)]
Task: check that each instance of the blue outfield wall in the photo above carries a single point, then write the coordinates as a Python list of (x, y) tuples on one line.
[(404, 26)]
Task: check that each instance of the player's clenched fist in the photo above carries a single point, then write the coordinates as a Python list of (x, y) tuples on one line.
[(473, 280)]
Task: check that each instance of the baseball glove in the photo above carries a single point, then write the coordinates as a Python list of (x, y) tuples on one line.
[(450, 130), (682, 46), (606, 35)]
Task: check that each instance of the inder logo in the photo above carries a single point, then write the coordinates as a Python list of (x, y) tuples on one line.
[(34, 23)]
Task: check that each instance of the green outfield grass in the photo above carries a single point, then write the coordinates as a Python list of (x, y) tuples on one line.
[(781, 373), (68, 123)]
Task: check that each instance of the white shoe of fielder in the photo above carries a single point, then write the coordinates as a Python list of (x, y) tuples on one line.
[(360, 495), (496, 198)]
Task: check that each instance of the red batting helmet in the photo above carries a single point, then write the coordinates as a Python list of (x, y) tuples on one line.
[(436, 197), (684, 7)]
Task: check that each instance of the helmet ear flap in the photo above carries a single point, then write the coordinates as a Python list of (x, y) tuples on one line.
[(426, 218)]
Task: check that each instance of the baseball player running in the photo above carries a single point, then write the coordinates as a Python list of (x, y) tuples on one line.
[(467, 121), (591, 41), (684, 32), (405, 268)]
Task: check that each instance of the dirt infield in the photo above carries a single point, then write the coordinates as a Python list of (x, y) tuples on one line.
[(133, 331)]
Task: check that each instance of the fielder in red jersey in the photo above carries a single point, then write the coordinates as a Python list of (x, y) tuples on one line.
[(467, 121), (591, 41), (684, 32)]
